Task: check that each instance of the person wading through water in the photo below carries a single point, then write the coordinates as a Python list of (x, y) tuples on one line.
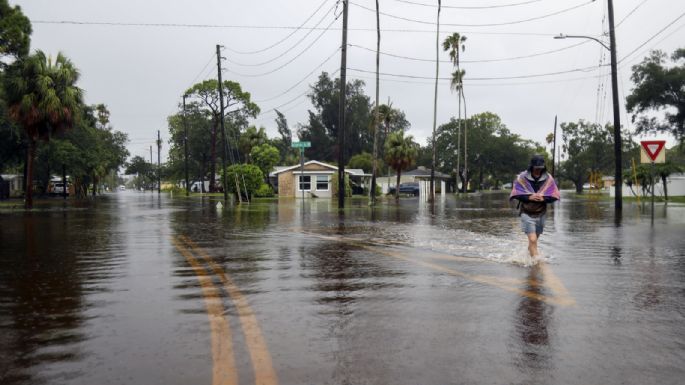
[(534, 189)]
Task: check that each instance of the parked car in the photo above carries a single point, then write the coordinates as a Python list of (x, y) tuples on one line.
[(57, 188), (122, 188), (410, 188)]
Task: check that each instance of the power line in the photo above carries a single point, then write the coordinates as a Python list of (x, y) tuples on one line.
[(443, 80), (470, 7), (585, 69), (285, 38), (631, 12), (302, 80), (474, 61), (652, 37), (289, 61), (476, 25), (327, 28), (277, 27)]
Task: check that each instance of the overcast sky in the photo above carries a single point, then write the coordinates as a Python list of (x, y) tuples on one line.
[(140, 70)]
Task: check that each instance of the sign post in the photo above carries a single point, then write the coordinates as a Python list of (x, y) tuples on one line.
[(652, 152), (301, 146)]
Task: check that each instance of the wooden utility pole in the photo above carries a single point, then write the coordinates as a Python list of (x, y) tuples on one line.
[(185, 144), (341, 112), (376, 116), (159, 164), (618, 171), (223, 130), (435, 105)]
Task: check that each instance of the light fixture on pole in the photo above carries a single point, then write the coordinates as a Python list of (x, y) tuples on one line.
[(618, 171)]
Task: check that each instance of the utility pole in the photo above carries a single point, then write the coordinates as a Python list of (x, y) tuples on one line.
[(376, 116), (341, 113), (185, 143), (618, 177), (223, 130), (554, 146), (151, 164), (435, 105), (159, 165)]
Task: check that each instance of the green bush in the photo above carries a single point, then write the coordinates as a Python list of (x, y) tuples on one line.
[(264, 191), (348, 187), (249, 178)]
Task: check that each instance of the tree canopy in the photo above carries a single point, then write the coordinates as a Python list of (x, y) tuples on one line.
[(659, 86)]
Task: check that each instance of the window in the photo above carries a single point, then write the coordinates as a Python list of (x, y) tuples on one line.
[(322, 183), (305, 182)]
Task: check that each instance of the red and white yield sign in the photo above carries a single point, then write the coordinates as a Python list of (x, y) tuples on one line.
[(653, 151)]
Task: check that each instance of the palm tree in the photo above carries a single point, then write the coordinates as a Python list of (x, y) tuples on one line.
[(454, 44), (400, 153), (43, 98), (376, 117)]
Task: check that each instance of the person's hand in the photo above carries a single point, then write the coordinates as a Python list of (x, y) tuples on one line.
[(537, 197)]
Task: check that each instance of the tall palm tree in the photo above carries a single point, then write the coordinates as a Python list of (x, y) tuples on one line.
[(376, 117), (454, 44), (400, 153), (43, 98)]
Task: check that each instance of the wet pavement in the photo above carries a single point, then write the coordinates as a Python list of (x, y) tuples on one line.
[(135, 288)]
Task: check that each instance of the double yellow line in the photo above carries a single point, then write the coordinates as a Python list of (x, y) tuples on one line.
[(224, 370)]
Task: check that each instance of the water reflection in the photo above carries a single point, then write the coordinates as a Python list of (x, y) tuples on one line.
[(532, 323), (56, 260)]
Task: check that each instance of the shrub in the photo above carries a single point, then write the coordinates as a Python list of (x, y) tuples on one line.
[(264, 191), (249, 177)]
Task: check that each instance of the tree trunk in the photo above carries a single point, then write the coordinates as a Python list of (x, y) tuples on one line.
[(64, 181), (203, 172), (94, 185), (663, 180), (212, 165), (579, 188), (31, 153), (397, 185)]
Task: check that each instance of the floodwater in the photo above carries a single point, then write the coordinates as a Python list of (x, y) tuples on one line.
[(137, 288)]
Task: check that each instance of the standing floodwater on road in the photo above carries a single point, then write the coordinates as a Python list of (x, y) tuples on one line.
[(138, 288)]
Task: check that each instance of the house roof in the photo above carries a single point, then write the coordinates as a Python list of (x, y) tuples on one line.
[(423, 172), (351, 171)]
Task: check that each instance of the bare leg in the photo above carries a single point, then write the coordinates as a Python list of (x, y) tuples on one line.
[(533, 244)]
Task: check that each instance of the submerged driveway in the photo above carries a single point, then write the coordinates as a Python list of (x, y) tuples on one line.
[(142, 289)]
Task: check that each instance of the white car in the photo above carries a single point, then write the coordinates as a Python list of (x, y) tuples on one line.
[(122, 188)]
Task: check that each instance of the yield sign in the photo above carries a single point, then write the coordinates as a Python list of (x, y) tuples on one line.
[(653, 148)]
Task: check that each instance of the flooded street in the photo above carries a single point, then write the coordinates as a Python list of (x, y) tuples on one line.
[(137, 288)]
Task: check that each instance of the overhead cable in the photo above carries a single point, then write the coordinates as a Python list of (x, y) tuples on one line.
[(652, 37), (326, 29), (584, 69), (474, 61), (469, 7), (283, 39), (630, 13), (476, 25), (262, 27), (286, 63), (302, 80)]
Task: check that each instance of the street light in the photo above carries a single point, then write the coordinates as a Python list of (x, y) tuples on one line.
[(618, 171)]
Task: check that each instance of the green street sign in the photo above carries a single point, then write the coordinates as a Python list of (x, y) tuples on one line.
[(301, 144)]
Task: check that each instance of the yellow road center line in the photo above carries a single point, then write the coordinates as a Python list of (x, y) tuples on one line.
[(553, 282), (256, 344), (223, 361)]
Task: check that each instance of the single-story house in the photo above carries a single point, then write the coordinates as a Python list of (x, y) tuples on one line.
[(315, 180), (421, 175), (675, 184)]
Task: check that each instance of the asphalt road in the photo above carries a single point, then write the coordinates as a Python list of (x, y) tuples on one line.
[(137, 288)]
